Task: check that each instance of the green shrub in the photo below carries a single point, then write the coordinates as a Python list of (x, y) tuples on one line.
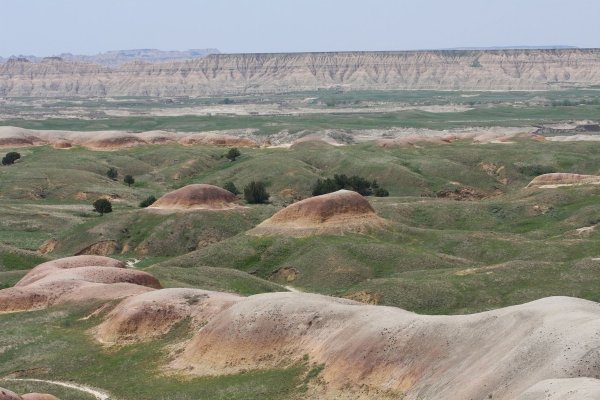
[(102, 206), (232, 154), (10, 158), (230, 186), (148, 201), (129, 180), (256, 193), (112, 173), (381, 192)]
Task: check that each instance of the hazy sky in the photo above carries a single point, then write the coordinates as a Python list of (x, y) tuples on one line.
[(47, 27)]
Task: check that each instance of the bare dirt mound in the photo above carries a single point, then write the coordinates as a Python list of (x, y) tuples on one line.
[(110, 141), (75, 279), (197, 196), (38, 396), (113, 140), (6, 394), (218, 139), (153, 314), (11, 136), (338, 212), (62, 144), (46, 268), (366, 349), (560, 179), (415, 140)]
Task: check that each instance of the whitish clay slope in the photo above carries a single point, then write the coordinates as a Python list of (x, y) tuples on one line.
[(197, 196), (564, 389), (259, 73), (374, 351), (559, 179), (74, 279), (332, 213)]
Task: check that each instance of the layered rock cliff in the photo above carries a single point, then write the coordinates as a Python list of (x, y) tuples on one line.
[(263, 73)]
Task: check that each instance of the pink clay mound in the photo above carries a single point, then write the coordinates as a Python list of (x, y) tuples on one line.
[(197, 196), (6, 394), (563, 179), (380, 352), (333, 213), (74, 279)]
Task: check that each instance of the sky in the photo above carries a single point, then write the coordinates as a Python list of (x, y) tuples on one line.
[(51, 27)]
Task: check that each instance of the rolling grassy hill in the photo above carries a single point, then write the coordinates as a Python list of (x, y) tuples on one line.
[(503, 244)]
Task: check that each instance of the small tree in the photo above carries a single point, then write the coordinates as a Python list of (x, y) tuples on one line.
[(148, 201), (129, 180), (256, 193), (230, 186), (102, 206), (112, 173), (232, 154), (10, 158)]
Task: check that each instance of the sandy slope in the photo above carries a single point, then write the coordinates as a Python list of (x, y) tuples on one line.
[(560, 179), (390, 351)]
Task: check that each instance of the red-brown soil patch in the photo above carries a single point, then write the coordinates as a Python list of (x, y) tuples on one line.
[(338, 212)]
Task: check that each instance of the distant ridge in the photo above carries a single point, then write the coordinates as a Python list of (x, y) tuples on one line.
[(551, 47), (231, 74), (116, 58)]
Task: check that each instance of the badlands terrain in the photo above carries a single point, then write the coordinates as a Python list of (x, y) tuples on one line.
[(218, 74), (476, 277)]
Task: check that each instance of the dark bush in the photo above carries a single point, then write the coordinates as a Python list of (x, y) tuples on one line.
[(256, 193), (381, 192), (129, 180), (102, 206), (112, 173), (148, 201), (230, 186), (10, 158), (232, 154), (354, 183)]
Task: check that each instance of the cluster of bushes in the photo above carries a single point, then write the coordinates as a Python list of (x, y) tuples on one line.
[(354, 183), (104, 206), (575, 103), (113, 173)]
